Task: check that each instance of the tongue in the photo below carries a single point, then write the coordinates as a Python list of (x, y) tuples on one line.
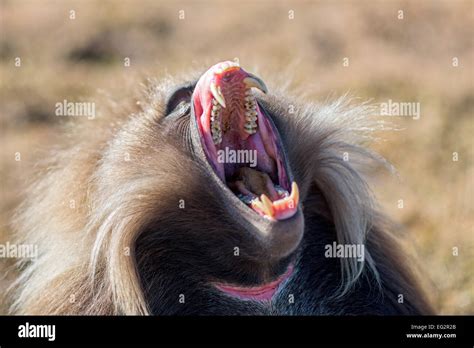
[(253, 182), (257, 189)]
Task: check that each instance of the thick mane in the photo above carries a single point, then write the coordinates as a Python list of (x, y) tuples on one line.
[(326, 143), (121, 174)]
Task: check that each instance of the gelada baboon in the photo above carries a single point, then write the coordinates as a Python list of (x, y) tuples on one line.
[(218, 197)]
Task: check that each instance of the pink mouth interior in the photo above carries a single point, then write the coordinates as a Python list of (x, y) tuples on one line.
[(249, 183)]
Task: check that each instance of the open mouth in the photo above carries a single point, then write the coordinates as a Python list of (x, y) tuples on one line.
[(241, 143)]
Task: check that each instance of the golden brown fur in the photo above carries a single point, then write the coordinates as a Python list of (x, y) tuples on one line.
[(121, 173)]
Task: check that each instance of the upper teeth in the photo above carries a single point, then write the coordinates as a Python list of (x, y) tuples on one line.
[(215, 122), (250, 125), (218, 102)]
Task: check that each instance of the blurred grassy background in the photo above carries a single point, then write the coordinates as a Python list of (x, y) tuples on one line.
[(408, 60)]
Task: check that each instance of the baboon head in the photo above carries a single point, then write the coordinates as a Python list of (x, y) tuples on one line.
[(213, 198), (248, 221)]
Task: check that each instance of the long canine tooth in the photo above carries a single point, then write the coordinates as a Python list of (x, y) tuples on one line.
[(254, 81), (257, 203), (217, 94), (267, 203), (295, 193)]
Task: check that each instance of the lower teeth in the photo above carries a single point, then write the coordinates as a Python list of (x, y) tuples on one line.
[(217, 138), (215, 125), (250, 126)]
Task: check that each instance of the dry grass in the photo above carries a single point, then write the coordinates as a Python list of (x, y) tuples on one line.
[(406, 60)]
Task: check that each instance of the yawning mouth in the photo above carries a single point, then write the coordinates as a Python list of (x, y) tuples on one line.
[(241, 143)]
